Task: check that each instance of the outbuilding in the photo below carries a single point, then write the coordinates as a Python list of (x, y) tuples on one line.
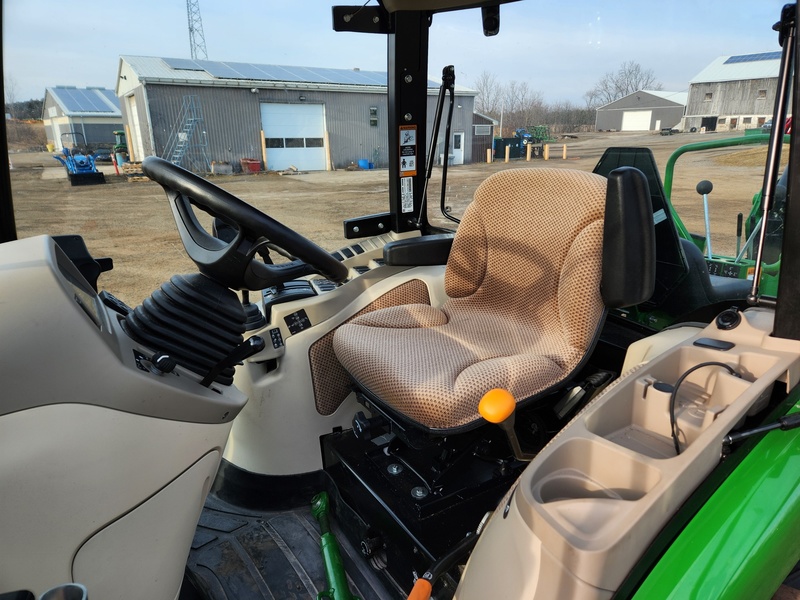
[(645, 110), (733, 93), (92, 112), (483, 128), (202, 113)]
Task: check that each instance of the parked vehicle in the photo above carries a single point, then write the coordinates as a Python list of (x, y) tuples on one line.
[(78, 160), (102, 155)]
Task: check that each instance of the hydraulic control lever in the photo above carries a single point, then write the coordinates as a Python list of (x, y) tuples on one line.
[(246, 349), (497, 406), (784, 423)]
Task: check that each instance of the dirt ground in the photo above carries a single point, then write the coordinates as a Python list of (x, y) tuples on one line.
[(132, 223)]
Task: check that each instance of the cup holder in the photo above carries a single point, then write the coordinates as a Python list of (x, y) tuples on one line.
[(570, 484), (589, 469)]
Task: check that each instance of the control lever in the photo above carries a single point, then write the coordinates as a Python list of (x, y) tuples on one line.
[(364, 427), (784, 423), (246, 349), (497, 406), (704, 189)]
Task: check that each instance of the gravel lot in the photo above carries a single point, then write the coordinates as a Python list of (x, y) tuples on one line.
[(131, 221)]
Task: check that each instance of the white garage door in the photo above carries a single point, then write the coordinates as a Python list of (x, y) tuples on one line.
[(636, 120), (295, 136)]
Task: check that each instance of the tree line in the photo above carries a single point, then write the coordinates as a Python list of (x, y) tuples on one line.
[(517, 105), (21, 110), (25, 110)]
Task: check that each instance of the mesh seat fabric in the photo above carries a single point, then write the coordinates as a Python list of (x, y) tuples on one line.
[(523, 308)]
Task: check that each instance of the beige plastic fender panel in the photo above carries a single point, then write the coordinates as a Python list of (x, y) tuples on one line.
[(143, 554)]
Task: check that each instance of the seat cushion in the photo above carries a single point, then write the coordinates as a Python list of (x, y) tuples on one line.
[(524, 304)]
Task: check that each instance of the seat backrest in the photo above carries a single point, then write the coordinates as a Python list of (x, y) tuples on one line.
[(629, 241), (671, 264), (529, 250)]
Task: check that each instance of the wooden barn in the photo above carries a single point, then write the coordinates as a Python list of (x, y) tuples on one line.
[(733, 93)]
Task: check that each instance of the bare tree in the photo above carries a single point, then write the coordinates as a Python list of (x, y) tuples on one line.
[(490, 95), (630, 77), (523, 106), (566, 117), (10, 92)]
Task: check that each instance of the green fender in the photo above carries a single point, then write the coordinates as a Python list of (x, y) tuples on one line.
[(746, 538)]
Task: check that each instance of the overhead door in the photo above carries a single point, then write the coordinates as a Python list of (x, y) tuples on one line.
[(295, 136), (636, 120)]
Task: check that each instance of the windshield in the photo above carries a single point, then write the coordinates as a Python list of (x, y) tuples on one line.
[(563, 80)]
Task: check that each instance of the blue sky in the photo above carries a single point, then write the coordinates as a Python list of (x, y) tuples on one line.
[(561, 48)]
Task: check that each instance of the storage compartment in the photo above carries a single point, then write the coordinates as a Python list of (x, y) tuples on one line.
[(583, 468), (598, 495), (638, 417)]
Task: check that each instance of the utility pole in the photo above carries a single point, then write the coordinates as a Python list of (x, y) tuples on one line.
[(197, 40)]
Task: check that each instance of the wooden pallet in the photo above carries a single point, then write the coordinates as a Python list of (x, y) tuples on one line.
[(133, 171)]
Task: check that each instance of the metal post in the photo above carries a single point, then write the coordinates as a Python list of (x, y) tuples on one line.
[(787, 312), (408, 106), (787, 28)]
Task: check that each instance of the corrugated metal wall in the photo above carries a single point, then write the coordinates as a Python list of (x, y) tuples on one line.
[(232, 118), (611, 119)]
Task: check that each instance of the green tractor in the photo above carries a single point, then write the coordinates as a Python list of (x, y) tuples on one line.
[(693, 283), (425, 411)]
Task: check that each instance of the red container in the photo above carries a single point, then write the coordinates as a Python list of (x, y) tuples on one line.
[(251, 165)]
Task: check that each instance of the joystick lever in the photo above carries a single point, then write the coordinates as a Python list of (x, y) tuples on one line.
[(497, 406), (246, 349)]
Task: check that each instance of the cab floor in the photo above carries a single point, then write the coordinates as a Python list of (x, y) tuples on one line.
[(239, 554)]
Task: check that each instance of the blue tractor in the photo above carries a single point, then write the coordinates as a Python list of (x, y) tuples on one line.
[(78, 161)]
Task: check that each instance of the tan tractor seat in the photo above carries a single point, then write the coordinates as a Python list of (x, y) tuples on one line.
[(524, 304)]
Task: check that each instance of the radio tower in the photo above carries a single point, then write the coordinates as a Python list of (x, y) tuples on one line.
[(197, 40)]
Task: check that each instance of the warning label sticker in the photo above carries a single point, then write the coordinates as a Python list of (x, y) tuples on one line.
[(406, 194), (408, 150)]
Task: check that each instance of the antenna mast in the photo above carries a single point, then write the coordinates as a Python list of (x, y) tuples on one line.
[(197, 40)]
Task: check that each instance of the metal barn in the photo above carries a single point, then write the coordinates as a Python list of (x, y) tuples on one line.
[(92, 112), (645, 110), (204, 113), (733, 92)]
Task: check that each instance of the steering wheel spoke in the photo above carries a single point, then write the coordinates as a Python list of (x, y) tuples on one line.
[(233, 263)]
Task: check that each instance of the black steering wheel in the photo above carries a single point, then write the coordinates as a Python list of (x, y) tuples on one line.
[(232, 263)]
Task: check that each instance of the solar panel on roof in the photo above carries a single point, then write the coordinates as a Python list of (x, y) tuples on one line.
[(110, 96), (244, 71), (295, 74), (184, 64), (269, 72), (76, 100), (259, 72), (251, 71), (744, 58), (221, 70)]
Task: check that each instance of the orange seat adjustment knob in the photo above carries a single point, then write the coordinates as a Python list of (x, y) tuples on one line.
[(421, 590), (497, 405)]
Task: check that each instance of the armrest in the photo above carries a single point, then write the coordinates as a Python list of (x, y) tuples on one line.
[(420, 251)]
